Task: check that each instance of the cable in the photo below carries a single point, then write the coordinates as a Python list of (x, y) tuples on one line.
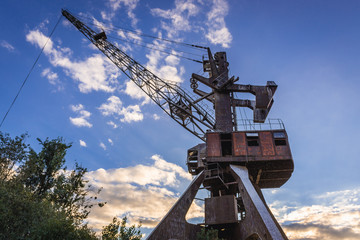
[(31, 69), (191, 59), (143, 34), (146, 42)]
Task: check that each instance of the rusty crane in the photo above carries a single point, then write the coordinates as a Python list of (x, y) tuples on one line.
[(232, 165)]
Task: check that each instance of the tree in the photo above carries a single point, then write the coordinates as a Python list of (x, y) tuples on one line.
[(41, 199), (25, 217), (45, 174), (117, 230), (208, 234), (12, 152)]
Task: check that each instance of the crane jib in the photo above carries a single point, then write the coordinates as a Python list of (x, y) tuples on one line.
[(171, 98)]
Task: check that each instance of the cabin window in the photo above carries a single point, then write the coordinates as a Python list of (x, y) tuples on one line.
[(252, 139), (226, 144), (279, 139)]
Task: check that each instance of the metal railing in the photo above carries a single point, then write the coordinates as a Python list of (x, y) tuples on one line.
[(270, 124)]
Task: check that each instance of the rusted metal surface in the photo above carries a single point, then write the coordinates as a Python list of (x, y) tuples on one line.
[(274, 161), (213, 148), (221, 210), (259, 219), (254, 151), (240, 148), (174, 225), (267, 143)]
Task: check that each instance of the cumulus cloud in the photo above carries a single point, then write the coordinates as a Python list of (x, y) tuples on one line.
[(82, 143), (82, 119), (146, 192), (7, 45), (95, 73), (114, 107), (166, 70), (111, 123), (218, 33), (179, 16), (333, 215), (141, 192), (110, 141), (53, 78), (102, 145), (156, 117), (117, 4), (135, 92)]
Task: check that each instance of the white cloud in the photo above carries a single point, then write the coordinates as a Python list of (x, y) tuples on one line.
[(82, 119), (182, 18), (165, 67), (114, 106), (95, 73), (110, 141), (131, 113), (53, 78), (49, 75), (135, 92), (82, 143), (141, 192), (156, 117), (179, 16), (111, 123), (333, 215), (7, 45), (102, 145), (164, 165), (218, 33), (129, 4)]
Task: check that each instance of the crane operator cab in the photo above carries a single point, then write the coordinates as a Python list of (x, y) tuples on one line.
[(265, 153)]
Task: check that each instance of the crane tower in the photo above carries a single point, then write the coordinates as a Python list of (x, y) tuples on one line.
[(233, 165)]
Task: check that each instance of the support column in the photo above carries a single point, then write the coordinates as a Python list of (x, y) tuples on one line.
[(174, 225), (259, 221)]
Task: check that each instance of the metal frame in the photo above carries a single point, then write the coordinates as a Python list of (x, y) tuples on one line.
[(258, 223)]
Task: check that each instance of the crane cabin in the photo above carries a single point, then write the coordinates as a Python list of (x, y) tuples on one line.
[(266, 154)]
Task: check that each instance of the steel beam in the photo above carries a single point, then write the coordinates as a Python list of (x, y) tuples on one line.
[(259, 222), (174, 225)]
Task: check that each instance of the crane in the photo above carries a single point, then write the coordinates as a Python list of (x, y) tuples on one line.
[(232, 165)]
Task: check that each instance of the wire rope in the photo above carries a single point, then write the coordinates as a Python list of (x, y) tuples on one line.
[(142, 34), (156, 49), (149, 43), (31, 69)]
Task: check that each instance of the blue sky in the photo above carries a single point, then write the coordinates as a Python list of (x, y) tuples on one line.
[(137, 153)]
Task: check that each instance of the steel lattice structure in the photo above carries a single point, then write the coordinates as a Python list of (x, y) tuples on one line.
[(173, 100)]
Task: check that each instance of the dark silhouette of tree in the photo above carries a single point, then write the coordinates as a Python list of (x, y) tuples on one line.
[(117, 230), (39, 197)]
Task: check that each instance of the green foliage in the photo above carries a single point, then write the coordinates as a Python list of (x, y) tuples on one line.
[(12, 152), (41, 199), (117, 230), (208, 234)]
